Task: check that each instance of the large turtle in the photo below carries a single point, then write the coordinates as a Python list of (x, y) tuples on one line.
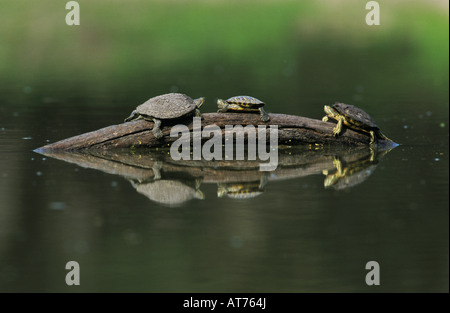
[(349, 175), (352, 173), (243, 104), (169, 192), (355, 118), (166, 107)]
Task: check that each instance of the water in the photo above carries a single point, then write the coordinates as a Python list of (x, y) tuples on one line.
[(295, 236), (306, 228)]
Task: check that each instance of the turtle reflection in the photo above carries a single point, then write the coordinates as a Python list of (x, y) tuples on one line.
[(172, 183), (169, 192), (351, 174), (240, 190)]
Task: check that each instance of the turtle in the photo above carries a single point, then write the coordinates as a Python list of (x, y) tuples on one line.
[(169, 192), (354, 118), (166, 107), (241, 191), (349, 175), (243, 104)]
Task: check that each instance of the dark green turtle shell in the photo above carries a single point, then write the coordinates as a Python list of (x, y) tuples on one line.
[(246, 102), (355, 116)]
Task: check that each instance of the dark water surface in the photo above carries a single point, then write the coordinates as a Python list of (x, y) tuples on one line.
[(309, 226), (295, 236)]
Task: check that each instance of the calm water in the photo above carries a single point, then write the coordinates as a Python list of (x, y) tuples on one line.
[(308, 226), (295, 236)]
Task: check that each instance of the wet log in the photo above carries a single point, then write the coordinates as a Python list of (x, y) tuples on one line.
[(292, 130)]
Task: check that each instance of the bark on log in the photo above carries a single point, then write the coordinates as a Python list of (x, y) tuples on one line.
[(292, 130)]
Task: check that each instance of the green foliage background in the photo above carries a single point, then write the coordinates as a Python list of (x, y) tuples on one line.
[(294, 54)]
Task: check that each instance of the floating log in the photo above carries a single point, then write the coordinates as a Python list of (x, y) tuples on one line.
[(292, 130)]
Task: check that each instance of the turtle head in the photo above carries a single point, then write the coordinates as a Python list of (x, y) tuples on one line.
[(221, 104), (330, 111), (199, 195), (221, 191), (199, 102)]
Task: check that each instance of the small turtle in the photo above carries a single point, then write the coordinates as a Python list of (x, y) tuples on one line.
[(354, 118), (166, 107), (243, 104), (242, 190)]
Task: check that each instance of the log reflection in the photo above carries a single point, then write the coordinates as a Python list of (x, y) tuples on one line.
[(157, 176)]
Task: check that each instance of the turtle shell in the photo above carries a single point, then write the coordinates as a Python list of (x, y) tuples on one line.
[(355, 116), (168, 106), (352, 179), (168, 192), (246, 102), (240, 191)]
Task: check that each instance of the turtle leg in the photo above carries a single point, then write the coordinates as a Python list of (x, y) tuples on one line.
[(263, 181), (199, 195), (337, 130), (372, 138), (156, 170), (223, 109), (156, 129), (198, 113), (264, 116), (382, 136), (372, 154), (338, 165), (221, 191), (134, 183), (134, 116), (325, 118)]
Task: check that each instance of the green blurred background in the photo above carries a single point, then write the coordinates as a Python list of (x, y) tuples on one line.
[(58, 81), (294, 55)]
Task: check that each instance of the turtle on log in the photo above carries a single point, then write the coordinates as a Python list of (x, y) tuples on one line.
[(166, 107)]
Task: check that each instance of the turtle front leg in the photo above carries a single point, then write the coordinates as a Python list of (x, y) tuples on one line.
[(325, 118), (372, 154), (338, 165), (156, 129), (338, 129), (264, 116), (221, 191), (199, 195), (380, 135), (372, 138), (156, 170), (198, 113), (222, 109), (223, 106), (198, 183), (263, 180), (134, 116)]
